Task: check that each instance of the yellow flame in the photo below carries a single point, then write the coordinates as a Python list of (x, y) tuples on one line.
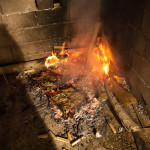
[(51, 60)]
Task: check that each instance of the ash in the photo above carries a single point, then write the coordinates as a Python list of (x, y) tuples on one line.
[(75, 103)]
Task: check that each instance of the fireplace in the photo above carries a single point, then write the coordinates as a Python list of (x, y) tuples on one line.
[(84, 69)]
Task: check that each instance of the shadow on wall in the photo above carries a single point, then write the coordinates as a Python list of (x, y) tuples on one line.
[(10, 51)]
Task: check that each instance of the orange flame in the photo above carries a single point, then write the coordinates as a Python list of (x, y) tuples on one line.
[(105, 59), (51, 60), (63, 48)]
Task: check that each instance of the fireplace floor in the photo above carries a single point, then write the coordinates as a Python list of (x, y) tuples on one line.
[(24, 117)]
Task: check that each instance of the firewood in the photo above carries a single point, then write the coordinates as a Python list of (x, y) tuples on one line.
[(69, 136), (77, 141), (52, 134), (125, 98), (129, 124), (62, 139)]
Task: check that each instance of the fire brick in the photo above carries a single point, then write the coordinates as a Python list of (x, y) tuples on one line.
[(147, 56), (146, 24), (44, 4), (6, 55), (33, 34), (22, 20), (140, 44), (33, 50), (145, 92), (17, 6), (141, 67), (57, 15), (45, 17), (131, 75)]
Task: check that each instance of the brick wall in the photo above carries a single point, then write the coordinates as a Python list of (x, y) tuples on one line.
[(29, 29), (127, 28)]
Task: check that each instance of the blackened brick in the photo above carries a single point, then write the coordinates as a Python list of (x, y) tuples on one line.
[(60, 30), (140, 44), (5, 55), (144, 91), (17, 6), (45, 17), (22, 20), (65, 3), (68, 30), (141, 67), (146, 25), (137, 62), (33, 34), (132, 78), (33, 50), (130, 34), (57, 15), (147, 56), (145, 72), (61, 15), (147, 4), (44, 4)]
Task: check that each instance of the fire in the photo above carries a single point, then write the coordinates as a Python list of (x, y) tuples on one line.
[(51, 60), (105, 58), (63, 49), (100, 58), (106, 68)]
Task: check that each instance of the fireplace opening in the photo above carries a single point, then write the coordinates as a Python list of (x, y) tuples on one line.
[(74, 74)]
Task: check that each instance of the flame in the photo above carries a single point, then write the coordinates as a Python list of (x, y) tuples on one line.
[(105, 58), (51, 60), (63, 48)]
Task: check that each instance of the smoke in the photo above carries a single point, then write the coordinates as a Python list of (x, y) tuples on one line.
[(84, 14)]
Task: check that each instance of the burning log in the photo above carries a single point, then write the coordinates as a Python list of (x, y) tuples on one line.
[(125, 118)]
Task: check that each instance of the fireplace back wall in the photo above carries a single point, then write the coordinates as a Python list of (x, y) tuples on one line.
[(29, 29), (126, 26)]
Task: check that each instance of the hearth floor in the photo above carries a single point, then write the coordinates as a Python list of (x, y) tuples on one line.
[(20, 125)]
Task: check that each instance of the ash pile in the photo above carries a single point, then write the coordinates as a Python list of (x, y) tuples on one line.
[(76, 103)]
